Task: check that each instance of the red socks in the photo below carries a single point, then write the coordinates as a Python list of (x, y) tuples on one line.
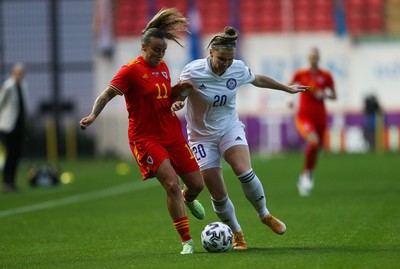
[(189, 198), (311, 156), (182, 227)]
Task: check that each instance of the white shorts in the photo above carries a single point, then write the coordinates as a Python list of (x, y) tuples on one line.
[(208, 151)]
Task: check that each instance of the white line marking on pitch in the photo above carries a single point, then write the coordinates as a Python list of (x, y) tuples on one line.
[(123, 188)]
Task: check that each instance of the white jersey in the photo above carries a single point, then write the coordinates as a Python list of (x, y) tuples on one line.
[(212, 111)]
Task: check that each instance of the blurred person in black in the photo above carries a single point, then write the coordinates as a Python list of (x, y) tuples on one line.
[(372, 110), (12, 123)]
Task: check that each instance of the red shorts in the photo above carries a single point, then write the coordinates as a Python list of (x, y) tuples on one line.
[(149, 156), (306, 125)]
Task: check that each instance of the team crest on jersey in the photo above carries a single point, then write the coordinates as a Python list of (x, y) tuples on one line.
[(231, 83), (150, 160), (165, 74)]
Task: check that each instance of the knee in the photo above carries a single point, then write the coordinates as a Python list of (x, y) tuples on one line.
[(172, 188), (240, 165), (314, 145), (314, 142), (198, 182), (197, 185), (194, 182)]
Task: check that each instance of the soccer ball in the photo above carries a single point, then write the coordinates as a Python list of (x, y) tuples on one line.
[(216, 237)]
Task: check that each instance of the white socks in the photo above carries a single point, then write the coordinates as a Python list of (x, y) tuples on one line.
[(254, 192), (225, 211)]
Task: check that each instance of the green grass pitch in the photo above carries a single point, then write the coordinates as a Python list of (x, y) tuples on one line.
[(107, 220)]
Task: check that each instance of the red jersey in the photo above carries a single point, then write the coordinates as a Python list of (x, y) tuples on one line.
[(147, 92), (309, 104)]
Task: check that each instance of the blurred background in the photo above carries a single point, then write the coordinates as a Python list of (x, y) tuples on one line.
[(73, 48)]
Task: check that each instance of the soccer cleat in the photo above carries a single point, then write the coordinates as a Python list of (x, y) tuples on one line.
[(274, 224), (305, 184), (238, 242), (196, 208), (188, 247)]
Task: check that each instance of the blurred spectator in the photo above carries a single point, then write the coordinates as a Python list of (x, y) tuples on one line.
[(372, 111), (12, 121)]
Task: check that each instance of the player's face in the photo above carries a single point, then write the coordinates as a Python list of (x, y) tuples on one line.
[(313, 57), (154, 52), (221, 59)]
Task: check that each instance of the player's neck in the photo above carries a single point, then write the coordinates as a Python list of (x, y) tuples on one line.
[(314, 69)]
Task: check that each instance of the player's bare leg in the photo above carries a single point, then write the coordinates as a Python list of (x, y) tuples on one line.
[(223, 206), (193, 186), (305, 183), (169, 180), (239, 159)]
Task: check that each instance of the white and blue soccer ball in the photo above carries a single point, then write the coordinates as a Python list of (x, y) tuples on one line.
[(217, 237)]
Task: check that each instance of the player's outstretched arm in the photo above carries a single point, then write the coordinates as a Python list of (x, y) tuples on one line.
[(98, 106), (267, 82), (328, 93), (182, 89), (331, 93), (179, 93)]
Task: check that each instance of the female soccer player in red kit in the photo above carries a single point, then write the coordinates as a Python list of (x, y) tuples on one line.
[(311, 117), (155, 133)]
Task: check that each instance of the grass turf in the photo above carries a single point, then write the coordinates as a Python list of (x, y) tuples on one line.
[(107, 220)]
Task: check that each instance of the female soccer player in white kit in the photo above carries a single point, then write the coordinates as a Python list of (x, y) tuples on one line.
[(215, 131)]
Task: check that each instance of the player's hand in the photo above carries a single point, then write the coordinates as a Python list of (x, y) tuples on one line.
[(177, 105), (298, 88), (85, 122), (187, 85)]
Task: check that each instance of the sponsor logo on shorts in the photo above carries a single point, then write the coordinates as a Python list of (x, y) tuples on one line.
[(150, 160)]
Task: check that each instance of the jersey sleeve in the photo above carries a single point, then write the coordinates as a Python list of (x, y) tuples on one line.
[(248, 76), (185, 74), (120, 81), (329, 81)]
